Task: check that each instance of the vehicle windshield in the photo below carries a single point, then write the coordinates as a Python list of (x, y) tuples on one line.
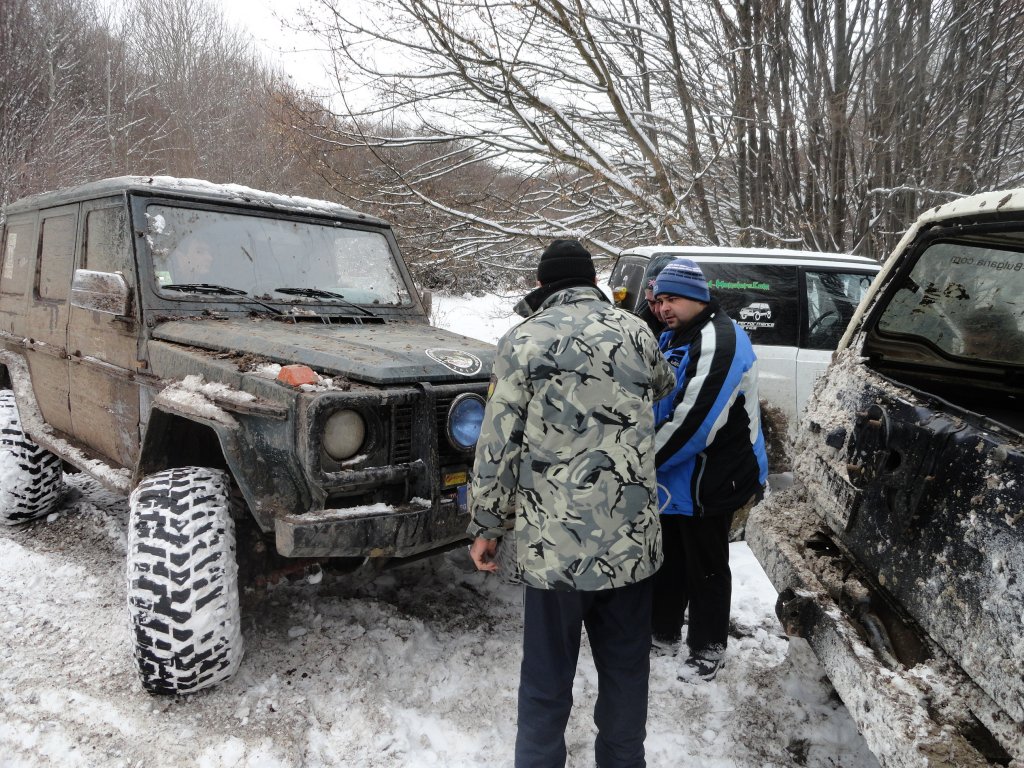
[(270, 259), (965, 300)]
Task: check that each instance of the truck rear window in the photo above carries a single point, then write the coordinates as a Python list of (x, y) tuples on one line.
[(962, 299)]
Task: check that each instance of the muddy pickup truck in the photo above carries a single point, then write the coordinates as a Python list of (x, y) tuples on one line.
[(898, 554), (256, 370)]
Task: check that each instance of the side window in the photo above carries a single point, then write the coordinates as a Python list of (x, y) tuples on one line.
[(764, 300), (615, 279), (56, 256), (626, 280), (107, 244), (17, 256), (832, 298)]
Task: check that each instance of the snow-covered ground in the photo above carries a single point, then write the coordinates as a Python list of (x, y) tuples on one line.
[(418, 668)]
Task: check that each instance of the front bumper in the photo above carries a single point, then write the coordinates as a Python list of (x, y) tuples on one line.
[(374, 531), (928, 714)]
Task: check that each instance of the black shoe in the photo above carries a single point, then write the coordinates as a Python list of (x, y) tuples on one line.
[(663, 645), (697, 668)]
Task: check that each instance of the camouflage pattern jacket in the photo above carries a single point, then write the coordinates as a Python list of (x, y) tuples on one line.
[(568, 444)]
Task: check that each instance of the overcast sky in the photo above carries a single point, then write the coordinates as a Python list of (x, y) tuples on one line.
[(296, 53)]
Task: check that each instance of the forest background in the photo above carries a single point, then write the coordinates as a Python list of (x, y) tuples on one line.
[(483, 128)]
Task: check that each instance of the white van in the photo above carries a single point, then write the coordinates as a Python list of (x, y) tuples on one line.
[(795, 305)]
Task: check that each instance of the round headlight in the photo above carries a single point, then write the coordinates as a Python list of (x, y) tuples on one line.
[(344, 434), (464, 420)]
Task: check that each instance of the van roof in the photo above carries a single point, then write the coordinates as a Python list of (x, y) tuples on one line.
[(190, 189), (754, 255)]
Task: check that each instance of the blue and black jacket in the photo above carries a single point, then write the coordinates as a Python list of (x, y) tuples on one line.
[(710, 452)]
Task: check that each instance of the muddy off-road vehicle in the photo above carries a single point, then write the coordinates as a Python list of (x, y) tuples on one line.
[(259, 373), (898, 553)]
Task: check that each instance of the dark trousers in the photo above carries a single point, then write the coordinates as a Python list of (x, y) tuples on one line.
[(617, 622), (694, 575)]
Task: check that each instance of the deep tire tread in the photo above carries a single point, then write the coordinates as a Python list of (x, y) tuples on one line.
[(31, 478), (183, 581)]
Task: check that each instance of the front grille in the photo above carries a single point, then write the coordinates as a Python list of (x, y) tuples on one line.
[(402, 429), (401, 433)]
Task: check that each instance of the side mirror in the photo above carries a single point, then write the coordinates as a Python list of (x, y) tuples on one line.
[(106, 292)]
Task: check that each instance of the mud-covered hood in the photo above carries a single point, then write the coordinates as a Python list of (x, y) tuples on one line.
[(389, 353)]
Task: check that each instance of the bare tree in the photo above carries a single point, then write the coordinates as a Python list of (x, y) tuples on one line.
[(482, 127), (162, 86), (51, 131), (573, 100), (805, 122), (207, 87)]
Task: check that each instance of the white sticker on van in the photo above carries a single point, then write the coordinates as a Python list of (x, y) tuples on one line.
[(756, 311), (12, 241)]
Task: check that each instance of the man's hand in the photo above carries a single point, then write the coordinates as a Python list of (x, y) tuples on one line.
[(482, 551)]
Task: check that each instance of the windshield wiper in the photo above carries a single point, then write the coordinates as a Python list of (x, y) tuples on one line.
[(313, 293), (223, 290), (318, 293)]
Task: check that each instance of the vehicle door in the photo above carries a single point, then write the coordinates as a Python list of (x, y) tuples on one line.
[(102, 343), (828, 299), (763, 299), (46, 314)]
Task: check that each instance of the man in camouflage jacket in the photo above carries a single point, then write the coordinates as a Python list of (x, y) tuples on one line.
[(567, 445)]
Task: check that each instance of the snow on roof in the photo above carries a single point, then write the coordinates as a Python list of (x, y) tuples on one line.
[(1003, 201), (186, 188)]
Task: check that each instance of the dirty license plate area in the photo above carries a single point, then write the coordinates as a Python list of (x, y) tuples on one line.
[(838, 500), (458, 496), (455, 486)]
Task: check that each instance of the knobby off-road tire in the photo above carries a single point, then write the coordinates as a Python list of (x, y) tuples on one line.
[(31, 478), (183, 580)]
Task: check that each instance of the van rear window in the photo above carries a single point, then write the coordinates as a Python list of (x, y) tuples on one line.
[(56, 256), (832, 299)]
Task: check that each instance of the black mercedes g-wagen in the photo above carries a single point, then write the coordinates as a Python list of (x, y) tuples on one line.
[(237, 361)]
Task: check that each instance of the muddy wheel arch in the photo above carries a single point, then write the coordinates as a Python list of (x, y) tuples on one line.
[(177, 438)]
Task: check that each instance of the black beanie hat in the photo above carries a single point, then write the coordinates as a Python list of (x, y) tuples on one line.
[(565, 260)]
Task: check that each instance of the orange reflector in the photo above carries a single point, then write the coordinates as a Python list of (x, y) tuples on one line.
[(297, 375)]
